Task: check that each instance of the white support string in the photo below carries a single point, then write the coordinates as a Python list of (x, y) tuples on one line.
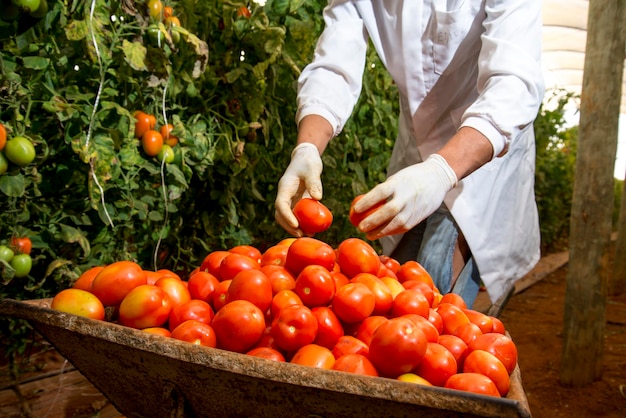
[(163, 187)]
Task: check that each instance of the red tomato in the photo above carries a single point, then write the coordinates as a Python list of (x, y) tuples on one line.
[(456, 346), (467, 332), (280, 277), (314, 355), (500, 346), (201, 285), (355, 363), (498, 325), (429, 330), (435, 318), (454, 299), (78, 302), (422, 287), (472, 382), (21, 245), (353, 302), (175, 288), (356, 256), (84, 280), (196, 309), (391, 263), (410, 301), (437, 365), (312, 216), (397, 347), (283, 298), (268, 353), (412, 270), (211, 263), (234, 263), (329, 328), (452, 317), (339, 278), (366, 328), (145, 306), (220, 295), (252, 252), (275, 255), (356, 218), (238, 326), (295, 326), (114, 281), (348, 344), (483, 362), (315, 286), (164, 332), (195, 332), (144, 122), (382, 294), (305, 251), (152, 142), (253, 286)]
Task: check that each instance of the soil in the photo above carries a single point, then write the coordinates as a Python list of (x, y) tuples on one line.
[(534, 318)]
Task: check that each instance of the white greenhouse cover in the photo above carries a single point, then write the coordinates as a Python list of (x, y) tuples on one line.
[(564, 38)]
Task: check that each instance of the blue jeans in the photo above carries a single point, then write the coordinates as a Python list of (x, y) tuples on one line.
[(432, 243)]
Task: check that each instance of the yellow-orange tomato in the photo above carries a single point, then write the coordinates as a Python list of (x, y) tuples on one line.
[(172, 21), (145, 306), (175, 288), (155, 9), (168, 11), (166, 133), (78, 302), (114, 281), (152, 142)]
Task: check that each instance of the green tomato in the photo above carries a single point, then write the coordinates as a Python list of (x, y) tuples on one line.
[(4, 163), (6, 253), (19, 150), (166, 153), (41, 11), (28, 6), (22, 263)]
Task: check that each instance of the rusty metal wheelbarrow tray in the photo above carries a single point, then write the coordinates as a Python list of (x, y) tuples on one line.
[(145, 375)]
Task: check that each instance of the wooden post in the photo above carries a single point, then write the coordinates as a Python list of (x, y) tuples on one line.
[(617, 284), (592, 202)]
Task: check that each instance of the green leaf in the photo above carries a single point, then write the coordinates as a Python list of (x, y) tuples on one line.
[(135, 55), (76, 30), (70, 234), (13, 186), (36, 63)]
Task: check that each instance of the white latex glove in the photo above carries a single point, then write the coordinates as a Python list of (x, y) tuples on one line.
[(301, 179), (411, 195)]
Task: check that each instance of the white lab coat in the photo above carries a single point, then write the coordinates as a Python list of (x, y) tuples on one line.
[(456, 63)]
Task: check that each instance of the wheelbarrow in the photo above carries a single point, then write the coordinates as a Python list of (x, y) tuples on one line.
[(146, 375)]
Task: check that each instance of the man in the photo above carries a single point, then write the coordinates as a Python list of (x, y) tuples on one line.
[(460, 191)]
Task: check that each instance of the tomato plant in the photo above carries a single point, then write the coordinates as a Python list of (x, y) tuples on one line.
[(312, 215), (238, 326), (78, 302)]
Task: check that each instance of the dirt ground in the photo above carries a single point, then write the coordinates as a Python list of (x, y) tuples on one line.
[(534, 319)]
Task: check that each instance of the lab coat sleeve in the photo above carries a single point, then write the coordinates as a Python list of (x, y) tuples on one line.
[(510, 82), (331, 84)]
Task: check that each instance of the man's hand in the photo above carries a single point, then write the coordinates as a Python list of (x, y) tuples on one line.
[(411, 195), (301, 178)]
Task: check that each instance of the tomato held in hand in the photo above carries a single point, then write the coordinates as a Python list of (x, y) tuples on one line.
[(239, 325), (356, 218), (397, 347), (78, 302), (312, 215), (145, 306)]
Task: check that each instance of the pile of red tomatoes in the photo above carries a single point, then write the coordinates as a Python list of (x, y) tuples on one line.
[(305, 302)]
